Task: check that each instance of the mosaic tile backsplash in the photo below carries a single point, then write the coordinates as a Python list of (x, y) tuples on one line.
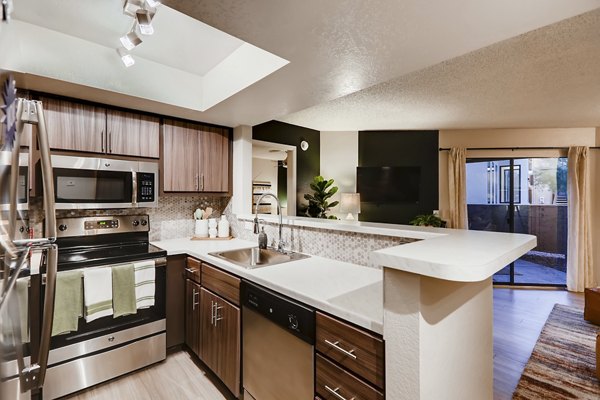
[(171, 219), (350, 247)]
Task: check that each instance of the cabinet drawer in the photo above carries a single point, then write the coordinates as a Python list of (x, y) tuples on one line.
[(357, 350), (221, 283), (331, 378), (193, 269)]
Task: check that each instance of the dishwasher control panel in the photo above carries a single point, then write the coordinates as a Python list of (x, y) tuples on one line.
[(289, 314)]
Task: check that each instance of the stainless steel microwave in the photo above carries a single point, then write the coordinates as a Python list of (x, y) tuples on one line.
[(22, 183), (93, 183)]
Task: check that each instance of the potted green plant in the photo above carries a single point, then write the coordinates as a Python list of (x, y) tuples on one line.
[(318, 204), (428, 220)]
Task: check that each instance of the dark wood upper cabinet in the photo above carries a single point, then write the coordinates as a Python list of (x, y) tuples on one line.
[(195, 157), (75, 126), (93, 129), (131, 134)]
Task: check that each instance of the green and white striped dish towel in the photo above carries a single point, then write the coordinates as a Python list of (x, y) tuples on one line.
[(97, 292), (144, 283)]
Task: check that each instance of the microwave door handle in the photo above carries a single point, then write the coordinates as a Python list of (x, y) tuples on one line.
[(134, 191)]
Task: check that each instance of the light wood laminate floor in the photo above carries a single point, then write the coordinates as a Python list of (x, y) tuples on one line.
[(519, 315)]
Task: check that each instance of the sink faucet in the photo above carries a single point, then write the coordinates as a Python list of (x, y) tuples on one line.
[(256, 224)]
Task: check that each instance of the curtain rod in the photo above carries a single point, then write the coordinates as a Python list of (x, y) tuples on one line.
[(514, 148)]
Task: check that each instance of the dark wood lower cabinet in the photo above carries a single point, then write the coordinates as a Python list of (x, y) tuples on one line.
[(192, 316), (334, 383), (220, 339), (175, 300)]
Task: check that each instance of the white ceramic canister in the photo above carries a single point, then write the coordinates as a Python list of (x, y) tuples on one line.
[(223, 227), (201, 228)]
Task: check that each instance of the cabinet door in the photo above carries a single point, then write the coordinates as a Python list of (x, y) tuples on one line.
[(192, 316), (214, 159), (175, 301), (132, 134), (220, 341), (74, 126), (180, 157)]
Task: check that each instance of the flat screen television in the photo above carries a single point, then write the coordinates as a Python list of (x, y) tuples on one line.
[(388, 184)]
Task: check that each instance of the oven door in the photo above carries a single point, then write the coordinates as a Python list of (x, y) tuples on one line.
[(108, 347), (23, 182)]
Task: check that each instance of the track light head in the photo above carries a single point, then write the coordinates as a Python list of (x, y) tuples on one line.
[(126, 58), (153, 3), (130, 40), (144, 20), (131, 6)]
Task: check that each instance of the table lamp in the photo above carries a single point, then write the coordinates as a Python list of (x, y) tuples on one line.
[(350, 203)]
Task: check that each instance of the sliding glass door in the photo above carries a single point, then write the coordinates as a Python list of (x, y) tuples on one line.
[(523, 195)]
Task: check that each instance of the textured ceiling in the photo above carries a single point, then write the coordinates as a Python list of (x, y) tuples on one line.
[(546, 78), (338, 47)]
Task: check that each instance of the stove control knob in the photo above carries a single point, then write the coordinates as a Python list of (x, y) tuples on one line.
[(293, 321), (62, 227), (22, 229), (135, 222), (144, 222)]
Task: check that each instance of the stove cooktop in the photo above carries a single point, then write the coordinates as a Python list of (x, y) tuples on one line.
[(89, 256)]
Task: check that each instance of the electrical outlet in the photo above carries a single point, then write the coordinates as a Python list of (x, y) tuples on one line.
[(436, 212)]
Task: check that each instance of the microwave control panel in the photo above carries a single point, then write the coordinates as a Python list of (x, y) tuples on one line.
[(145, 187)]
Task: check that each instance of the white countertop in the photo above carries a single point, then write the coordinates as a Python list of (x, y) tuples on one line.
[(450, 254), (458, 255), (348, 291)]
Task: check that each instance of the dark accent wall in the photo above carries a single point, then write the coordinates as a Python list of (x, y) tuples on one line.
[(401, 149), (308, 162)]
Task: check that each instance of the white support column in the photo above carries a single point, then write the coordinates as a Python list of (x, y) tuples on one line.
[(438, 337), (242, 170)]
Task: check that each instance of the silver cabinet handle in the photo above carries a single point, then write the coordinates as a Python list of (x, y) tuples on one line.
[(197, 182), (191, 271), (102, 139), (336, 394), (212, 312), (109, 145), (202, 183), (194, 302), (349, 353)]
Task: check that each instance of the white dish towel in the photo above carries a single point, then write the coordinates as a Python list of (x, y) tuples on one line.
[(97, 292), (144, 283)]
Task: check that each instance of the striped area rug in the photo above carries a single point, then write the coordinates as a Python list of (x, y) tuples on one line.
[(563, 362)]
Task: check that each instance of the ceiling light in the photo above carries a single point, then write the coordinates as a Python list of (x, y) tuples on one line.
[(153, 3), (131, 6), (144, 20), (127, 58), (130, 40)]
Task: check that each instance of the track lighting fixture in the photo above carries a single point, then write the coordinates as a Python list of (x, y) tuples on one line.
[(142, 12)]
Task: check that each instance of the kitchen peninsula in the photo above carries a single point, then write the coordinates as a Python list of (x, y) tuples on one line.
[(431, 301)]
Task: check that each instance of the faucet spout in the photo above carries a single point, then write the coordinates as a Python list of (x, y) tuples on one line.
[(256, 222)]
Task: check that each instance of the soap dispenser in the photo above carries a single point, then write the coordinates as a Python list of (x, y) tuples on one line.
[(262, 239)]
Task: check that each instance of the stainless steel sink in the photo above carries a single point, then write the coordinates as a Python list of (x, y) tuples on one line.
[(255, 258)]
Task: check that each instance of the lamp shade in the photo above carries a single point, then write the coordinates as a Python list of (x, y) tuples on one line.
[(350, 203)]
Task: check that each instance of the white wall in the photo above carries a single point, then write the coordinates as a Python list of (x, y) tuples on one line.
[(339, 159)]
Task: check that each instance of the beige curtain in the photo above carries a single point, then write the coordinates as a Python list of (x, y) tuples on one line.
[(457, 188), (580, 272)]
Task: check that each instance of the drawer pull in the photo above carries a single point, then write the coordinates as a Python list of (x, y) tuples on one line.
[(349, 353), (336, 394), (191, 271)]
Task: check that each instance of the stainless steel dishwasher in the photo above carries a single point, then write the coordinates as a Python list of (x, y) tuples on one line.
[(278, 337)]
